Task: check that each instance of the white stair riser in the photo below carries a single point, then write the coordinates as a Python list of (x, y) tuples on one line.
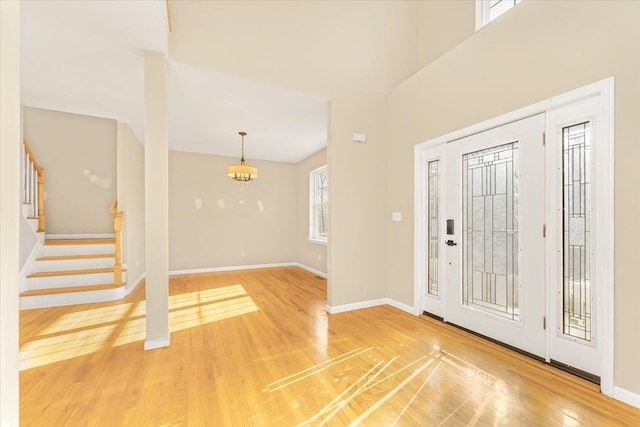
[(55, 300), (73, 264), (72, 280), (54, 250)]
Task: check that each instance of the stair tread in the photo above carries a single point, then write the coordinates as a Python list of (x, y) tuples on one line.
[(103, 241), (71, 272), (68, 289), (79, 256)]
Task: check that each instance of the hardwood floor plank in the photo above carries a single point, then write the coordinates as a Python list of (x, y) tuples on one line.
[(257, 347)]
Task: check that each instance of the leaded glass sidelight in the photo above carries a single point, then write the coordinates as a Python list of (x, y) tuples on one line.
[(490, 230), (433, 217), (576, 213)]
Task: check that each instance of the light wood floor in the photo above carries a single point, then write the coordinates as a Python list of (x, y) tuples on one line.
[(257, 348)]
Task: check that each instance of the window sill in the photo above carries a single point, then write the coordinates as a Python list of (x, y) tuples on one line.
[(316, 241)]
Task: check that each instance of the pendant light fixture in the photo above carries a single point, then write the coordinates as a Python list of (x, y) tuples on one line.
[(242, 173)]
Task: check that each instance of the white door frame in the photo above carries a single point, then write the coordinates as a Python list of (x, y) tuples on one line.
[(604, 205)]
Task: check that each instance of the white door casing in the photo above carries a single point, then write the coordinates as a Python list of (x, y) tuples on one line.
[(602, 94)]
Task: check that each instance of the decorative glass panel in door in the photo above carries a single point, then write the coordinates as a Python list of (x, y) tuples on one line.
[(490, 230), (433, 186), (576, 189)]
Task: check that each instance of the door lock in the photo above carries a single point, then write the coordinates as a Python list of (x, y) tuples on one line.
[(450, 243)]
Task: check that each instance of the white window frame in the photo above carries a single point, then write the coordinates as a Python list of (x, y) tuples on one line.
[(483, 12), (314, 236)]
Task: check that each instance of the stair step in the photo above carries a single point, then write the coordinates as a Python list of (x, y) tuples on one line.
[(56, 242), (71, 272), (68, 289), (67, 257)]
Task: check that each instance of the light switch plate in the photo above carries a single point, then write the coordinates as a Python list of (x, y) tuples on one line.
[(396, 216)]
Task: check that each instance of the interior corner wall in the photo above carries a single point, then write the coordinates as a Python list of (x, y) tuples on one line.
[(130, 189), (357, 211), (213, 223), (78, 154), (310, 254), (533, 52)]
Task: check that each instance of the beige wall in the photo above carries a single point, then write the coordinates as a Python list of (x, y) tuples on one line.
[(66, 145), (350, 52), (443, 24), (311, 254), (131, 201), (156, 193), (260, 221), (535, 51)]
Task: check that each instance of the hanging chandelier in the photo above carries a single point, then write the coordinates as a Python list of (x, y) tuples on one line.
[(242, 172)]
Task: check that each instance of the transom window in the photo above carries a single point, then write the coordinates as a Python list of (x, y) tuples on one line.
[(318, 214), (488, 10)]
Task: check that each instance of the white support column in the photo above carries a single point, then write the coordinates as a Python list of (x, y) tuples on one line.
[(10, 146), (156, 161)]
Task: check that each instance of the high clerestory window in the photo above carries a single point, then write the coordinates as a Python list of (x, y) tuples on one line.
[(318, 213), (488, 10)]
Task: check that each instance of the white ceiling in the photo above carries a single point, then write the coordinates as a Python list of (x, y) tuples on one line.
[(207, 109), (86, 57)]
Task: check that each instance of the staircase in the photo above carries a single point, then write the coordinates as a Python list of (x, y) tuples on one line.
[(67, 271), (72, 271)]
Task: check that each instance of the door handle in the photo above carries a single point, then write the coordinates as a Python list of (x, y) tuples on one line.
[(450, 243)]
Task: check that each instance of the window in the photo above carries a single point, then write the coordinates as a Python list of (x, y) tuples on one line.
[(488, 10), (576, 233), (318, 214), (433, 218)]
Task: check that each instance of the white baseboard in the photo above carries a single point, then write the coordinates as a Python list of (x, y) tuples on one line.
[(312, 270), (71, 298), (131, 287), (370, 303), (626, 396), (80, 236), (237, 267), (402, 306), (157, 343), (355, 306)]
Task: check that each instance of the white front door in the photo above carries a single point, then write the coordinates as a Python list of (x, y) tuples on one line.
[(492, 233), (487, 195)]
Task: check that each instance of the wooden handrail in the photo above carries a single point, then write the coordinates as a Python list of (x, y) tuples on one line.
[(41, 178), (117, 228), (32, 158)]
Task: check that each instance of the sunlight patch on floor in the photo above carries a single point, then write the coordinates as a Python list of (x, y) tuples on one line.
[(88, 331), (63, 347), (298, 376), (87, 318), (404, 383), (191, 317)]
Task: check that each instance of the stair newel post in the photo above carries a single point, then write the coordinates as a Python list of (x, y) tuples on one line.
[(117, 228), (41, 179)]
